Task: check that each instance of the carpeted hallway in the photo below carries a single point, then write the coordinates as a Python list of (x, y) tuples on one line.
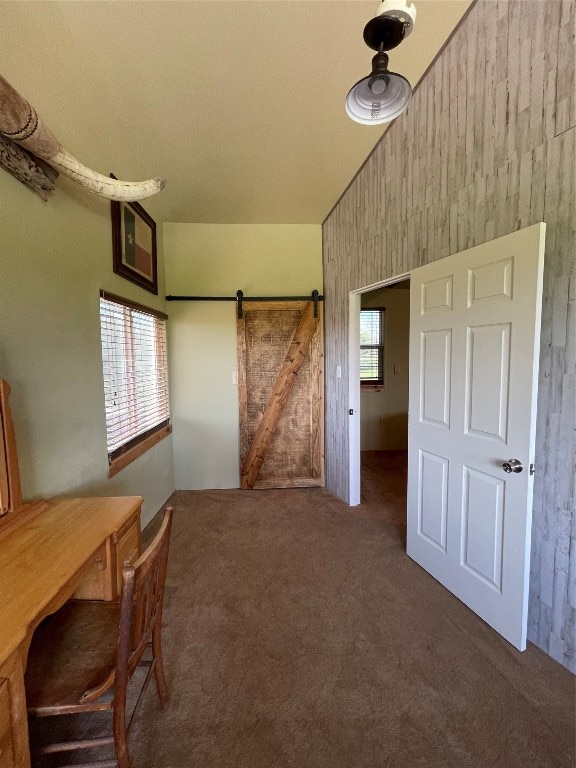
[(298, 633)]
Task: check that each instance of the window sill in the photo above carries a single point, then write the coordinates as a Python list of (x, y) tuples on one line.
[(371, 387), (117, 464)]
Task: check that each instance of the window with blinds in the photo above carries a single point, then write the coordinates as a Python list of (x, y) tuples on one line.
[(372, 346), (135, 366)]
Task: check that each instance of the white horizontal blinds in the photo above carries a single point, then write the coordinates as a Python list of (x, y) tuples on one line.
[(371, 349), (135, 372)]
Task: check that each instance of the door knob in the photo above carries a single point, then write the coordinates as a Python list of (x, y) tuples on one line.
[(512, 466)]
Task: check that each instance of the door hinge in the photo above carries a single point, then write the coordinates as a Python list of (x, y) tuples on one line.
[(532, 470), (351, 412)]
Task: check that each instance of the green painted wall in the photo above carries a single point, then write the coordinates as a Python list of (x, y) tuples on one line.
[(54, 259), (218, 260)]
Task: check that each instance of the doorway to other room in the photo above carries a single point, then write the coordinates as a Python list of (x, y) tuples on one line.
[(383, 331)]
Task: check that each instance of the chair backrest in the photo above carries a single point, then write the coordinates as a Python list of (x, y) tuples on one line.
[(141, 600)]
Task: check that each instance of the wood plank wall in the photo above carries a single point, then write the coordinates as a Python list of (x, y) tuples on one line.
[(487, 147)]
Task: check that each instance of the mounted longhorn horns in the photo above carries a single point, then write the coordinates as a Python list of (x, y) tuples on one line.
[(20, 123)]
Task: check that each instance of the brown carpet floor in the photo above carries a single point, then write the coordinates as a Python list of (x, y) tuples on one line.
[(298, 633), (383, 480)]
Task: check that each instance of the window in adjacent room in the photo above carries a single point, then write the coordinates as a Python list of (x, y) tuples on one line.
[(135, 366), (372, 347)]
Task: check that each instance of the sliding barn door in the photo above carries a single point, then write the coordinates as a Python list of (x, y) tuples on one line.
[(281, 386)]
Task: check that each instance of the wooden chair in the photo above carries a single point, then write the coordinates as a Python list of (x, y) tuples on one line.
[(82, 657)]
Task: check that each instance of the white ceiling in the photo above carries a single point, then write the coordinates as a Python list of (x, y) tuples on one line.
[(239, 104)]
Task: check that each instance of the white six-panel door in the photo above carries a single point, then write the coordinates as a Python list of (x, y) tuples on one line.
[(474, 343)]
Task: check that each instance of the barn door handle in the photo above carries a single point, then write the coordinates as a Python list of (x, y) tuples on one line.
[(512, 466)]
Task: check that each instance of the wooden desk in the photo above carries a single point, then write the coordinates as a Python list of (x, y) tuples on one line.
[(65, 548)]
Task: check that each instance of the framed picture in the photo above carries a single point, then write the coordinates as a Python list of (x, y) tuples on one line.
[(134, 245)]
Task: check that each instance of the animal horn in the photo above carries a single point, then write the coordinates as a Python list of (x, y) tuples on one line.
[(113, 189), (20, 123)]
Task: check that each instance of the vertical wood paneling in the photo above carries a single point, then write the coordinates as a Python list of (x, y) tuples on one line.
[(487, 147)]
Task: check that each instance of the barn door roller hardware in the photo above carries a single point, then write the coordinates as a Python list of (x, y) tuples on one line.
[(239, 298)]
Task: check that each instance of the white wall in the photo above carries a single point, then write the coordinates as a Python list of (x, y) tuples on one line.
[(384, 412), (218, 260), (54, 259)]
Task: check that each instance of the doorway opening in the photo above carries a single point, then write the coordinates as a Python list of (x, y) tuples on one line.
[(379, 403), (474, 343)]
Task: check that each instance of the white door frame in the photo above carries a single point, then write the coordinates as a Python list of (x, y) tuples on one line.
[(354, 382)]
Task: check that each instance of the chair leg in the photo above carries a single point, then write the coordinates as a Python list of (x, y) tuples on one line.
[(159, 665), (120, 733)]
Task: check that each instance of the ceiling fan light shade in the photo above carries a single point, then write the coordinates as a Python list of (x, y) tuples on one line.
[(377, 99)]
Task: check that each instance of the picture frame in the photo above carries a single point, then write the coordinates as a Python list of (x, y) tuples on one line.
[(134, 245)]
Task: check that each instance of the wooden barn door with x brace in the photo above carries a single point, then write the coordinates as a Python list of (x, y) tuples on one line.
[(281, 394)]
